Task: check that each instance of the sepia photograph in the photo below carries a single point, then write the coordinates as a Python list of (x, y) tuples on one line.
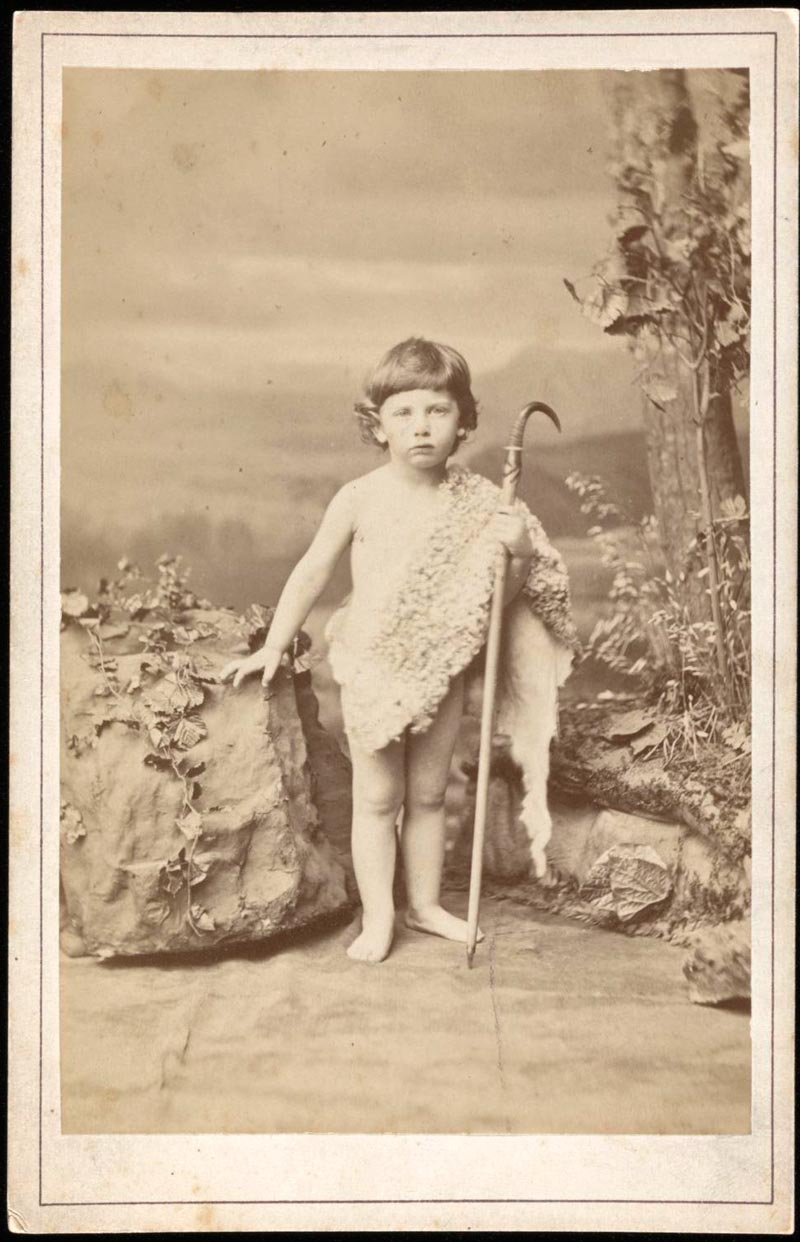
[(406, 546)]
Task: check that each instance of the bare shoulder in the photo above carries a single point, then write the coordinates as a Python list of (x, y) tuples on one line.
[(364, 489), (345, 501), (350, 501)]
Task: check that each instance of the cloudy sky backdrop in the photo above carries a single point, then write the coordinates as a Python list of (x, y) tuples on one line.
[(239, 248)]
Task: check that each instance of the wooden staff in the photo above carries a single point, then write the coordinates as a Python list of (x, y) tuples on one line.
[(512, 468)]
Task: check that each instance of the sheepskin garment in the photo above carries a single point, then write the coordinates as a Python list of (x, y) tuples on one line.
[(395, 670)]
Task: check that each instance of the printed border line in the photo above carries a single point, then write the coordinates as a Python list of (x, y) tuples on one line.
[(352, 1202), (578, 34), (41, 630), (774, 597), (508, 35)]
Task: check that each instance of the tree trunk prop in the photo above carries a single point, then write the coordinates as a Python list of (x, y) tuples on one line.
[(675, 138)]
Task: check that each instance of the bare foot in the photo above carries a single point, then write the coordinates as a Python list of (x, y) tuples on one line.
[(375, 941), (439, 923)]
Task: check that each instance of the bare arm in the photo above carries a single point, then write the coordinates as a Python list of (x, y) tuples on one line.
[(516, 574), (303, 587), (511, 530), (313, 571)]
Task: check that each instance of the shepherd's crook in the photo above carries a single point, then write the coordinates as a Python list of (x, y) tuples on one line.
[(512, 468)]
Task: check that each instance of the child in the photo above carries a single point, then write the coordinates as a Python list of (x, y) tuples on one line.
[(424, 539)]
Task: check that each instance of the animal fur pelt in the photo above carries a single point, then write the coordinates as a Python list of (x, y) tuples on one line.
[(395, 670)]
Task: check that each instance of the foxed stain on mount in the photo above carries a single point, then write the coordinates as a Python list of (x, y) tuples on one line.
[(117, 402)]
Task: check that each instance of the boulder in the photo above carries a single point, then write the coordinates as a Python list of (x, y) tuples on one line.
[(602, 829), (717, 963), (192, 815)]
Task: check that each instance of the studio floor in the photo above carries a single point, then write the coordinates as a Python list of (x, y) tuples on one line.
[(558, 1028)]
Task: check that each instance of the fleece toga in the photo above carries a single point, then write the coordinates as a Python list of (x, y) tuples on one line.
[(396, 669)]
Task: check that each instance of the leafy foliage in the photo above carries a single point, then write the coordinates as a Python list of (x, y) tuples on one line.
[(647, 631), (678, 278)]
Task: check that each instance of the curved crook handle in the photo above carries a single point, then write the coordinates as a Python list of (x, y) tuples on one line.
[(533, 407), (512, 466), (511, 472)]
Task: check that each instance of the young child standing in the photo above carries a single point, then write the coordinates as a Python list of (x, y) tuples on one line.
[(423, 537)]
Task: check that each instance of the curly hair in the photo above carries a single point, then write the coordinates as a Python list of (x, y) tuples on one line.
[(417, 363)]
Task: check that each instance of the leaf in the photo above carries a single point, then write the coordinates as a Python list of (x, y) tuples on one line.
[(189, 732), (305, 662), (161, 762), (658, 389), (74, 603), (651, 738), (190, 824), (571, 290), (173, 872), (173, 881), (628, 724), (202, 919), (135, 605), (679, 249), (633, 876), (183, 635), (631, 235), (109, 631), (728, 333), (205, 629), (152, 666), (734, 507), (199, 871), (171, 696), (737, 737), (604, 305), (629, 325)]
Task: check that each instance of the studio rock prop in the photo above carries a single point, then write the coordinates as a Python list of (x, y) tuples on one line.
[(192, 815)]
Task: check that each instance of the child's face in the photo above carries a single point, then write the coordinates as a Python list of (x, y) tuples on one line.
[(419, 427)]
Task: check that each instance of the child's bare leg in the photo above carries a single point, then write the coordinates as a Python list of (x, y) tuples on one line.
[(428, 759), (378, 786)]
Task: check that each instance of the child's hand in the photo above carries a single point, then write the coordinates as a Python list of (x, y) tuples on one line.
[(510, 528), (265, 661)]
